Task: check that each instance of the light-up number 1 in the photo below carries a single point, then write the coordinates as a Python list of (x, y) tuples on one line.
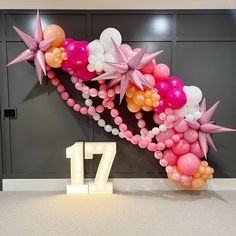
[(100, 184)]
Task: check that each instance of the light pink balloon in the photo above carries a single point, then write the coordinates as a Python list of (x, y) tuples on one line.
[(163, 136), (196, 149), (170, 157), (150, 79), (181, 126), (157, 120), (181, 147), (191, 135), (161, 72), (127, 50), (188, 164)]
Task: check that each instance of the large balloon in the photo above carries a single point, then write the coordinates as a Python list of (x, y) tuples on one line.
[(77, 53), (161, 72), (188, 164), (175, 82), (56, 32), (106, 38)]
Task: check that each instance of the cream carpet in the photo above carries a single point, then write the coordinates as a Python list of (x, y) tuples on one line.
[(141, 213)]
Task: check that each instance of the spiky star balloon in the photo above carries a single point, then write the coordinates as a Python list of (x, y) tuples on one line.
[(36, 47), (126, 70), (207, 127)]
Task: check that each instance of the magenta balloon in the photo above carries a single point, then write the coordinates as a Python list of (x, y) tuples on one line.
[(84, 74), (175, 82), (162, 88), (67, 66), (66, 42), (161, 107), (77, 53), (170, 157), (176, 98), (188, 164)]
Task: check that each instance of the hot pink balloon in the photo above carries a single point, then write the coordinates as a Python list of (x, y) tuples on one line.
[(181, 147), (84, 74), (191, 135), (162, 88), (66, 42), (188, 164), (196, 149), (176, 98), (170, 157), (150, 79), (161, 107), (77, 53), (175, 82), (161, 72), (67, 66)]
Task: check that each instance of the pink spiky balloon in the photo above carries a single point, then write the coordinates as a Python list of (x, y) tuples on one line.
[(36, 47), (206, 127), (127, 70)]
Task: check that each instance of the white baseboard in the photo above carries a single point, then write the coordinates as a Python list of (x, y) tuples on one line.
[(137, 184)]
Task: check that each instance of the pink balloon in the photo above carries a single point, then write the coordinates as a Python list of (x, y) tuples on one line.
[(175, 82), (66, 42), (181, 126), (77, 53), (163, 136), (191, 135), (84, 74), (127, 50), (161, 72), (196, 149), (150, 79), (161, 107), (67, 66), (170, 157), (148, 69), (162, 88), (188, 164), (176, 98), (181, 147), (156, 119)]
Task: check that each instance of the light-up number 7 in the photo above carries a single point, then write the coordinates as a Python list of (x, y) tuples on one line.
[(100, 184)]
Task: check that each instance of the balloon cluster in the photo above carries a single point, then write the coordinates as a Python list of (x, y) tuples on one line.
[(183, 124), (137, 99)]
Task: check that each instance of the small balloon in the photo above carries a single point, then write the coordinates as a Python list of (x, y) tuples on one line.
[(161, 72)]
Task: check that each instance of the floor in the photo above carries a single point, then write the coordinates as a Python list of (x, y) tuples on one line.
[(140, 213)]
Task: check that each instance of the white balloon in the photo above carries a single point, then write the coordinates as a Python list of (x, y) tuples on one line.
[(155, 130), (121, 135), (99, 66), (109, 57), (96, 116), (101, 123), (95, 47), (115, 131), (182, 112), (108, 128), (107, 35), (91, 59), (194, 95), (91, 67)]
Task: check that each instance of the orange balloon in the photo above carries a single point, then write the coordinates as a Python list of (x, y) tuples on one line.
[(56, 32), (133, 107), (139, 98), (202, 170), (146, 107), (52, 59), (148, 94), (209, 170), (130, 91), (148, 101), (197, 183), (204, 163), (155, 97)]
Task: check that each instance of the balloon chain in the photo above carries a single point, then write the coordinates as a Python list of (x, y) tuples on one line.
[(144, 140)]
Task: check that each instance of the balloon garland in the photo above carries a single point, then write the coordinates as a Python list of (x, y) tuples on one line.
[(183, 128)]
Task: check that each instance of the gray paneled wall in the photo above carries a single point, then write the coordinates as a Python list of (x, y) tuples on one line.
[(200, 47)]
